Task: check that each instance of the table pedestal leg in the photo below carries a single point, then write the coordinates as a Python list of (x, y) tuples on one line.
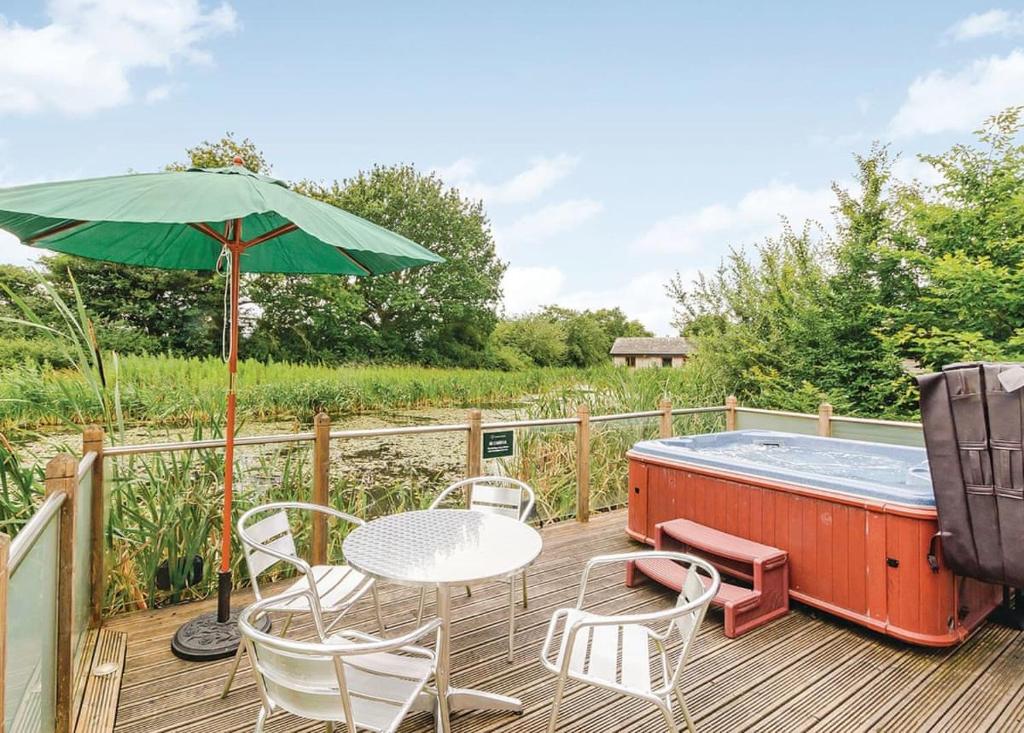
[(444, 612), (450, 699), (464, 699)]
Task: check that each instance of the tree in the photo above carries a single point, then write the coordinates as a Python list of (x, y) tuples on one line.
[(758, 321), (589, 335), (306, 319), (968, 252), (440, 314), (538, 340)]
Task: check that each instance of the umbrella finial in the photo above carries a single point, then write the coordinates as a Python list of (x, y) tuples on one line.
[(238, 160)]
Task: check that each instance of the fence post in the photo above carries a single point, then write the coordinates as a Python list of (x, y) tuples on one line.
[(666, 417), (92, 442), (474, 450), (730, 412), (5, 552), (62, 476), (475, 444), (321, 479), (583, 464), (825, 420)]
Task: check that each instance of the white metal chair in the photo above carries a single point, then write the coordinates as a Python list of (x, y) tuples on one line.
[(501, 495), (350, 678), (267, 540), (614, 652)]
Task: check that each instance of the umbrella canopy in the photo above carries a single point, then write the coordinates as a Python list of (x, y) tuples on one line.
[(194, 220), (179, 220)]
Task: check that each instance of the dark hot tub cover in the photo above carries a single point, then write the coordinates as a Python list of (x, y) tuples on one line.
[(973, 416)]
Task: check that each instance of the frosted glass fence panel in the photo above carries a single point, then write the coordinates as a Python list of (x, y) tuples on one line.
[(894, 434), (29, 692), (82, 581), (785, 423)]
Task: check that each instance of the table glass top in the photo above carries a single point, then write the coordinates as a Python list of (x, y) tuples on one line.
[(441, 546)]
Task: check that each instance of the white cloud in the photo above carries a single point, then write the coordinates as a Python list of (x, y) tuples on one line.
[(527, 185), (544, 223), (756, 215), (994, 22), (82, 60), (960, 101), (528, 288), (641, 296), (846, 140), (158, 94)]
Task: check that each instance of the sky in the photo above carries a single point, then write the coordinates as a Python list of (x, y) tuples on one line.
[(613, 144)]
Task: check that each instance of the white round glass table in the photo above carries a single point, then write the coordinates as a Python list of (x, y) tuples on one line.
[(444, 548)]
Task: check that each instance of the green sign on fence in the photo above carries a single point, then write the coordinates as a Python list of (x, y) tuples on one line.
[(499, 444)]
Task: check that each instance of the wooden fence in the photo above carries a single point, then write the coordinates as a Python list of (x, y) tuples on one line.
[(61, 549)]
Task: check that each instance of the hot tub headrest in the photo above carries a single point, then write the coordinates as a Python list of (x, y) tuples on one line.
[(972, 431)]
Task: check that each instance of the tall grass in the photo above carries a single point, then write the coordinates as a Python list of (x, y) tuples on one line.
[(166, 390)]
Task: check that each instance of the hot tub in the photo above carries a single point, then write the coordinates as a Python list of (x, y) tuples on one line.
[(856, 518)]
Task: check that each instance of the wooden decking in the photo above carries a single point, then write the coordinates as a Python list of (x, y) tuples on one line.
[(802, 672)]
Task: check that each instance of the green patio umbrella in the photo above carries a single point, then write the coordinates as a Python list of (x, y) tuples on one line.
[(205, 219)]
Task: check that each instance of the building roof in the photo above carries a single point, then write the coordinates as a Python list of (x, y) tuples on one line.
[(673, 346)]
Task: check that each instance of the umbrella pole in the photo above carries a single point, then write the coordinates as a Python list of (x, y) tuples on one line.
[(224, 579), (215, 635)]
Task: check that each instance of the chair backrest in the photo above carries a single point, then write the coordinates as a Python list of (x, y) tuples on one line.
[(266, 536), (693, 601), (312, 679), (503, 495), (304, 678)]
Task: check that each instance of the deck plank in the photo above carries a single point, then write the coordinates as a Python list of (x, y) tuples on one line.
[(805, 671), (99, 705)]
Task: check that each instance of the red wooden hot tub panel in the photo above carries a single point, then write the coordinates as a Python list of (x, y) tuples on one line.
[(863, 561)]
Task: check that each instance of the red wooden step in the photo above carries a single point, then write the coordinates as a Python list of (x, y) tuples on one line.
[(721, 544), (765, 567), (672, 575)]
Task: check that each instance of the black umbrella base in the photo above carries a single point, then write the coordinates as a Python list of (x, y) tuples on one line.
[(205, 639)]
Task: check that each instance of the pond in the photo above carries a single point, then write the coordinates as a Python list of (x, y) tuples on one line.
[(367, 461)]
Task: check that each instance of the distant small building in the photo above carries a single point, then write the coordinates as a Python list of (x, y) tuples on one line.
[(650, 352)]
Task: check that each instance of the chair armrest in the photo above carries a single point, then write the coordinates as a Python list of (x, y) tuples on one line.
[(545, 650), (642, 555), (371, 644)]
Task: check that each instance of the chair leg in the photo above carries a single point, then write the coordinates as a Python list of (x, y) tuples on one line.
[(469, 592), (376, 607), (261, 718), (686, 711), (423, 603), (511, 619), (231, 675), (670, 721), (555, 703), (287, 623), (524, 589), (444, 723)]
